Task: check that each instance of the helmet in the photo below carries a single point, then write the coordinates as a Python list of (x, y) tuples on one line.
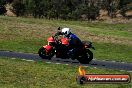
[(66, 31)]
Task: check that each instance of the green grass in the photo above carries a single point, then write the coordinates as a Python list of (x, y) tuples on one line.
[(22, 74), (116, 52), (112, 41), (27, 46)]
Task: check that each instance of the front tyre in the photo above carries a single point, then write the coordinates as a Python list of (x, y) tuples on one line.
[(44, 55), (86, 57)]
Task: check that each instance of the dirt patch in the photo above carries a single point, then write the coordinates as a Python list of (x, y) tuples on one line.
[(117, 19), (109, 39), (128, 13), (9, 12), (7, 36), (102, 38)]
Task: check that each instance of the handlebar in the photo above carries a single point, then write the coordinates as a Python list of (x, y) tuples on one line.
[(55, 36)]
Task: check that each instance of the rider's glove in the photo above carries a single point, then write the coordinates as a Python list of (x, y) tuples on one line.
[(58, 33)]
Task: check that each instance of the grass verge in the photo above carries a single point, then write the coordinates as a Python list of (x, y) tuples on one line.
[(23, 74)]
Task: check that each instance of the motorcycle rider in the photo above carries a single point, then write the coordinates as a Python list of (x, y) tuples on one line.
[(74, 42)]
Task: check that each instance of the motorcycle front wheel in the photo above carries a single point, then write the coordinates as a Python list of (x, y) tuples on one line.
[(44, 55)]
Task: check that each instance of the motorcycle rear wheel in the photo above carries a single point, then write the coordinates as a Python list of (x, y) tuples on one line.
[(42, 53), (86, 57)]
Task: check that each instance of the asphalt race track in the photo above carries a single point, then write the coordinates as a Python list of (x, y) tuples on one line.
[(94, 63)]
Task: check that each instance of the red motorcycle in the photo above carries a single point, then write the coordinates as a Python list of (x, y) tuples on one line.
[(61, 48)]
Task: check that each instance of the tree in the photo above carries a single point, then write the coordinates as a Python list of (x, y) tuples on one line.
[(67, 9), (18, 7), (2, 7), (123, 6), (9, 1), (2, 10), (2, 2), (90, 9)]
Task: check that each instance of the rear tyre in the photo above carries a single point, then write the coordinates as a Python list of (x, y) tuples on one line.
[(86, 58), (42, 53)]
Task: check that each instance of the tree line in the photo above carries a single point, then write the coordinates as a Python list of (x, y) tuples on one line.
[(66, 9)]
